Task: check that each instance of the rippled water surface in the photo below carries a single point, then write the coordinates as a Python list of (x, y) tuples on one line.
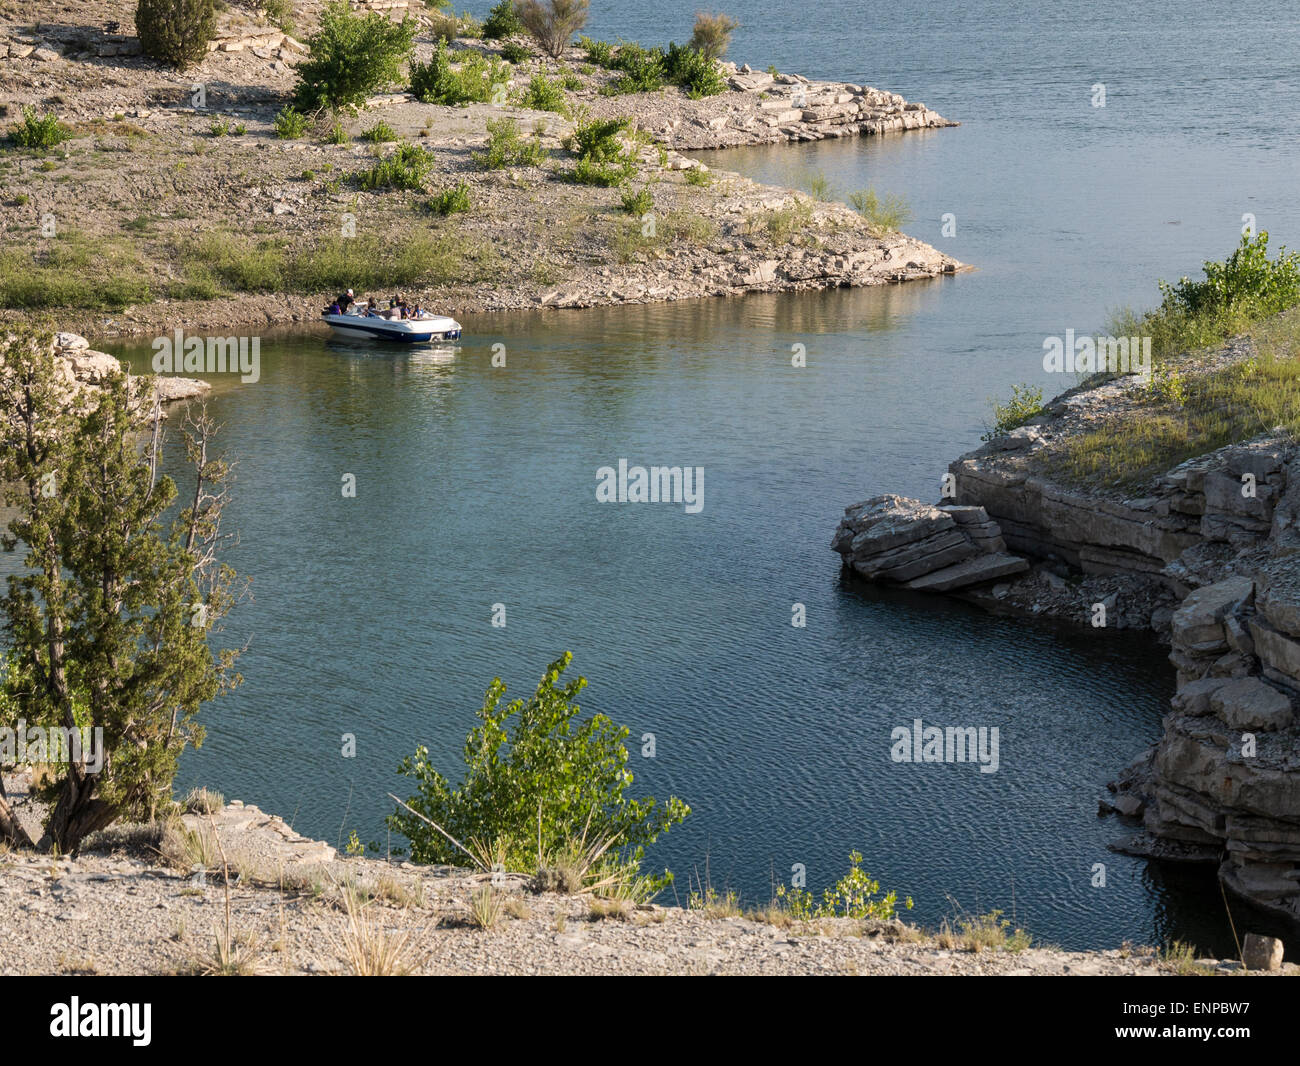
[(476, 485)]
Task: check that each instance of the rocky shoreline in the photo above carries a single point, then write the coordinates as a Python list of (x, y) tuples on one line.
[(1205, 555), (144, 900), (184, 191), (81, 367)]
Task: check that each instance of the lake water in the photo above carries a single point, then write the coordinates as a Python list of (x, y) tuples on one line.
[(476, 486)]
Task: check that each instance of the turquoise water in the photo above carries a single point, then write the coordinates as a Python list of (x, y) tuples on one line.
[(476, 486)]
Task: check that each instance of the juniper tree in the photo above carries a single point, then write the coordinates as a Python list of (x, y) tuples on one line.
[(108, 625)]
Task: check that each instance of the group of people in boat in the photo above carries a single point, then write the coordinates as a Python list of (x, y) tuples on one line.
[(398, 308)]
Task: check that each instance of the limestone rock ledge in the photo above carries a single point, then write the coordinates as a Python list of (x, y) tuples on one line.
[(1223, 783), (1206, 554), (899, 541), (83, 368)]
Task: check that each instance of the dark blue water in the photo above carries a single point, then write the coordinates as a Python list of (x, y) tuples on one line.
[(476, 485)]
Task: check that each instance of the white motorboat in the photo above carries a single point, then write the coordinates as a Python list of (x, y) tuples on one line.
[(373, 325)]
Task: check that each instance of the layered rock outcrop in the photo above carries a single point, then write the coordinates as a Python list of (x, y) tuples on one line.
[(932, 549), (1207, 554), (1223, 783), (82, 367)]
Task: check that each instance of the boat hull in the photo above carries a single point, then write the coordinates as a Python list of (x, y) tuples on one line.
[(394, 331)]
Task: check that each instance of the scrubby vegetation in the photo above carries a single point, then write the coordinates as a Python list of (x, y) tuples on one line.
[(602, 158), (712, 34), (502, 22), (478, 78), (290, 124), (1233, 294), (380, 133), (552, 23), (544, 792), (407, 168), (543, 94), (1026, 402), (508, 147), (451, 201), (39, 132), (883, 215), (1196, 412), (175, 32), (855, 895), (240, 264), (351, 56), (644, 70)]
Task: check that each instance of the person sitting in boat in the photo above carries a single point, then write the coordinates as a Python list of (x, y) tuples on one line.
[(334, 309), (417, 312)]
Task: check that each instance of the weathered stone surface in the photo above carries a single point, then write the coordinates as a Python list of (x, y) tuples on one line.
[(973, 571), (1276, 650), (901, 541), (1261, 952), (1194, 697), (1249, 703), (1199, 620)]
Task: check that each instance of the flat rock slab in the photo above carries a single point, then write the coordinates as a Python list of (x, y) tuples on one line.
[(973, 571), (1249, 703)]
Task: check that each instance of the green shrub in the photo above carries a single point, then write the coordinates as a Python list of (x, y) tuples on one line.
[(290, 124), (599, 52), (337, 134), (1247, 280), (537, 781), (175, 32), (543, 94), (507, 147), (853, 896), (552, 23), (1026, 402), (699, 176), (712, 34), (1234, 294), (598, 137), (380, 133), (42, 133), (502, 21), (602, 159), (694, 71), (219, 127), (407, 168), (280, 12), (588, 171), (883, 216), (351, 56), (642, 70), (638, 203), (474, 80), (451, 201), (515, 53)]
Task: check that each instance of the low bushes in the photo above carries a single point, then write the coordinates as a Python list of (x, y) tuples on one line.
[(507, 147), (40, 132), (407, 168)]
